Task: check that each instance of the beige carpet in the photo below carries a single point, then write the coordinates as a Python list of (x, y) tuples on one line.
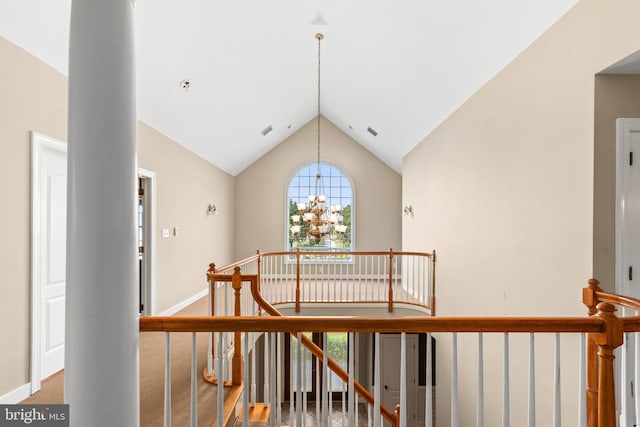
[(152, 355)]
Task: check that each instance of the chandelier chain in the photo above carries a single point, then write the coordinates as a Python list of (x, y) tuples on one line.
[(319, 37)]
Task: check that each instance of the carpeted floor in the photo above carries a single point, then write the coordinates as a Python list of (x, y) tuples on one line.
[(152, 355)]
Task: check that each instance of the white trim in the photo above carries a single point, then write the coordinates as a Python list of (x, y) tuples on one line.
[(624, 126), (173, 310), (17, 395), (39, 142), (151, 294)]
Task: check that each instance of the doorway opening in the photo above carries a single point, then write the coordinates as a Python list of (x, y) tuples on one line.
[(146, 242)]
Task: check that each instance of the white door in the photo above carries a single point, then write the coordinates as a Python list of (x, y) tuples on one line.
[(49, 229), (627, 250), (628, 208), (390, 373)]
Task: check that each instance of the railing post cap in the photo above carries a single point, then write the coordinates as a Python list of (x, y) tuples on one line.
[(593, 283), (606, 309), (212, 268)]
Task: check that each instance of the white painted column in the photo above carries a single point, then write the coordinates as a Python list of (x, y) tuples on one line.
[(101, 359)]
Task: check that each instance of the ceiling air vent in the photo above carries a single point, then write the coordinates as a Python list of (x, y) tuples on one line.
[(266, 130), (371, 131)]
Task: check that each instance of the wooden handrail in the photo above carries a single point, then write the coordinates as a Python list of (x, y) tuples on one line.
[(624, 301), (215, 270), (371, 324)]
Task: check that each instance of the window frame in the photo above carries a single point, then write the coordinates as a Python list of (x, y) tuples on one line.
[(286, 217)]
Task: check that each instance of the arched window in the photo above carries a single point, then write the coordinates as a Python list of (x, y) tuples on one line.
[(333, 230)]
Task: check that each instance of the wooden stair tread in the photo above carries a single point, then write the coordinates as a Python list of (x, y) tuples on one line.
[(260, 412), (230, 403)]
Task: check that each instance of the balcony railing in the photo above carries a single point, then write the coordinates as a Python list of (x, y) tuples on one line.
[(354, 277), (235, 357)]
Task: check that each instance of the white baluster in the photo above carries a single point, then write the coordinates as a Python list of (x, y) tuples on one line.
[(303, 390), (330, 387), (272, 390), (335, 290), (325, 377), (210, 335), (532, 382), (376, 381), (267, 368), (194, 382), (292, 379), (454, 381), (505, 384), (351, 387), (167, 381), (582, 388), (214, 340), (220, 397), (636, 384), (245, 390), (254, 388), (480, 393), (318, 393), (623, 396), (403, 379), (428, 404), (280, 378), (557, 414), (299, 380)]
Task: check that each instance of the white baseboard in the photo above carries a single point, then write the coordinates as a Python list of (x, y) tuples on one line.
[(17, 395), (173, 310)]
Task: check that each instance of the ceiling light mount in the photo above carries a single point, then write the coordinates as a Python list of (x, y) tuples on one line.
[(185, 85)]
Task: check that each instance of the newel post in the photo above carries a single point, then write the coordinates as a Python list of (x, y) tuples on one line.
[(236, 364), (590, 299), (607, 341), (390, 280)]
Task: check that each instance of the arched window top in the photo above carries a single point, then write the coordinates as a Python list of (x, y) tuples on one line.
[(338, 189)]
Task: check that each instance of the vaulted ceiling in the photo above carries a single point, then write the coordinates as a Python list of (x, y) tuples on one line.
[(397, 67)]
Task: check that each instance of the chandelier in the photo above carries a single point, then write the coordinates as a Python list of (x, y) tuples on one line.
[(315, 219)]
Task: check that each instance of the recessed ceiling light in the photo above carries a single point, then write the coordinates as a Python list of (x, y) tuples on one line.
[(371, 131), (266, 130), (350, 127), (185, 84), (289, 127)]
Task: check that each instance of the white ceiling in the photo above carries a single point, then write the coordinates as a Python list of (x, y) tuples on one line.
[(400, 67)]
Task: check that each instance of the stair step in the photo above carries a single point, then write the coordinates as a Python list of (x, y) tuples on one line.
[(260, 412)]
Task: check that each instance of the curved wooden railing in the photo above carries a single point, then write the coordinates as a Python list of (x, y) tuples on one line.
[(389, 277)]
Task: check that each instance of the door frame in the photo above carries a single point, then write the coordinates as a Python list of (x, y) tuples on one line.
[(624, 127), (150, 241), (39, 143)]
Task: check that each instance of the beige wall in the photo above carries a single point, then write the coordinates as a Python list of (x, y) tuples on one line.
[(615, 96), (503, 189), (186, 184), (261, 188), (34, 98)]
